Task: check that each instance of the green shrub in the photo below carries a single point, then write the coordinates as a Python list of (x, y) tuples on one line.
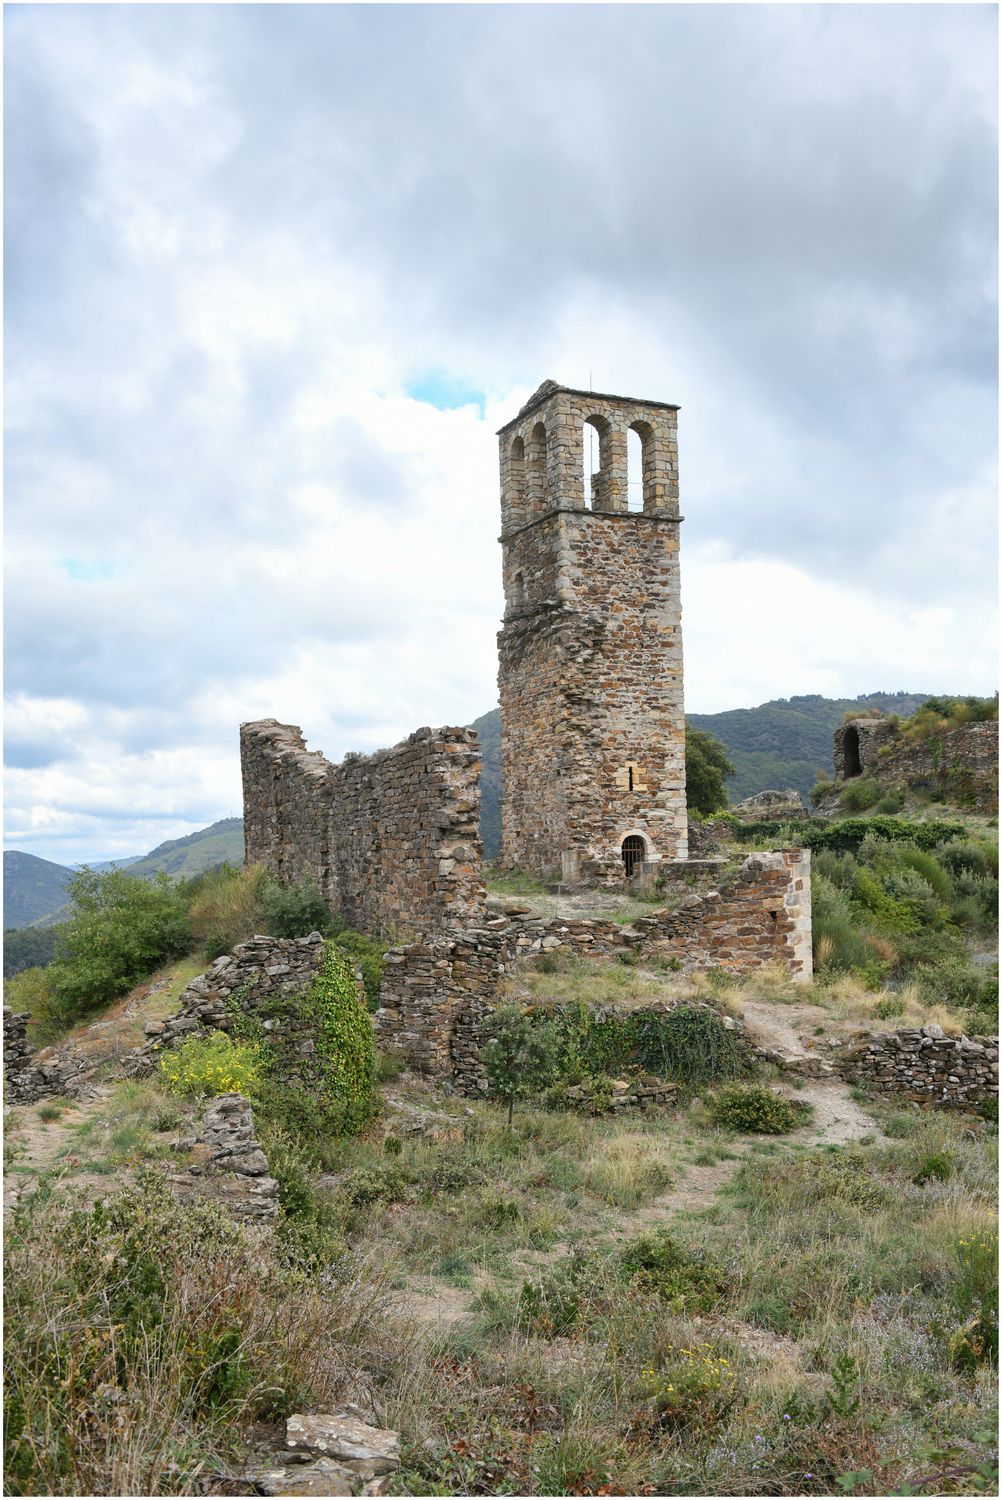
[(213, 1064), (520, 1054), (861, 793), (694, 1388), (955, 982), (753, 1107), (367, 955), (120, 930), (689, 1045), (290, 911), (383, 1183), (979, 856), (327, 1092), (31, 991), (935, 1166), (656, 1262), (977, 1298), (564, 1300), (225, 906)]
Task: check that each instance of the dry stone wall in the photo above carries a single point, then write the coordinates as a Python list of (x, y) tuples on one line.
[(962, 764), (590, 654), (251, 978), (392, 840), (761, 915), (226, 1163), (927, 1066)]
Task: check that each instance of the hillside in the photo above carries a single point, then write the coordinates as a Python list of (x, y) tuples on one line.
[(787, 741), (220, 843), (32, 888)]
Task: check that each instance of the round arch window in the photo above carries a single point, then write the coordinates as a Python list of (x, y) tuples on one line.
[(634, 853)]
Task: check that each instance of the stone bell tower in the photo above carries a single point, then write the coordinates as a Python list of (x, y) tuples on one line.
[(590, 674)]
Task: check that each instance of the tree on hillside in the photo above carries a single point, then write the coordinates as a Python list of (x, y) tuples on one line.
[(121, 928), (706, 765)]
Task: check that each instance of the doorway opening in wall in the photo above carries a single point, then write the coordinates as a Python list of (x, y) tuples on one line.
[(634, 852), (850, 753)]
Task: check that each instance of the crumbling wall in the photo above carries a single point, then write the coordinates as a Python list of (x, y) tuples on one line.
[(762, 915), (962, 764), (392, 840), (927, 1066), (226, 1163)]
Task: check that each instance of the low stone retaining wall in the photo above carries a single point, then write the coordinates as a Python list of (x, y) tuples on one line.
[(243, 980), (30, 1076), (927, 1066)]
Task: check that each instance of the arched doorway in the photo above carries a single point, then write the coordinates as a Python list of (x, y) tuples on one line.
[(851, 763), (634, 853)]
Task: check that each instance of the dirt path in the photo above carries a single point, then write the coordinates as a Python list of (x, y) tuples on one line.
[(36, 1145)]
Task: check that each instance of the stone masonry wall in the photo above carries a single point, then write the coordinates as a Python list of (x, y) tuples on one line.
[(762, 915), (244, 979), (590, 654), (392, 840), (963, 763), (226, 1163), (927, 1066)]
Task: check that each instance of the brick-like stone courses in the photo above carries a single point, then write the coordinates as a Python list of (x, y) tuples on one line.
[(243, 980), (762, 915), (392, 840), (963, 763), (927, 1066), (426, 984), (859, 739), (590, 654)]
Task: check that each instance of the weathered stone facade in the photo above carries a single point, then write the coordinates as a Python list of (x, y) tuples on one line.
[(392, 840), (962, 764), (760, 915), (590, 676), (927, 1066)]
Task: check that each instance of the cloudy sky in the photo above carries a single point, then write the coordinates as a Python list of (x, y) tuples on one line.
[(275, 275)]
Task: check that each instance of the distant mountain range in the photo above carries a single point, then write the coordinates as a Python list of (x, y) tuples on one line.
[(785, 742)]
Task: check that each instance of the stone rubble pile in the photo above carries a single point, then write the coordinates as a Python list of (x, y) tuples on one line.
[(334, 1453), (30, 1076), (226, 1162)]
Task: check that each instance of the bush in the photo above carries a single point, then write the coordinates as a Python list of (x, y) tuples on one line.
[(290, 911), (706, 767), (226, 907), (31, 991), (861, 793), (121, 929), (328, 1092), (753, 1107), (520, 1055), (657, 1263), (367, 955), (977, 1298), (694, 1388), (213, 1064)]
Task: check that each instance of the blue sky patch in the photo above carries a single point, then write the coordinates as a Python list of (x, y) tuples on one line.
[(445, 392), (85, 572)]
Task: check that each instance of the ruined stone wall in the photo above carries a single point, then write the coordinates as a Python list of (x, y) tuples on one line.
[(962, 764), (226, 1164), (590, 654), (762, 915), (392, 840), (927, 1066), (246, 980), (863, 738)]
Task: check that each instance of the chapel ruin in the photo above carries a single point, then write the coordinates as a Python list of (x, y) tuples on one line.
[(592, 757)]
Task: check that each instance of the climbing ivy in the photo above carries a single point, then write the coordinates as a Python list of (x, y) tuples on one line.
[(322, 1051)]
